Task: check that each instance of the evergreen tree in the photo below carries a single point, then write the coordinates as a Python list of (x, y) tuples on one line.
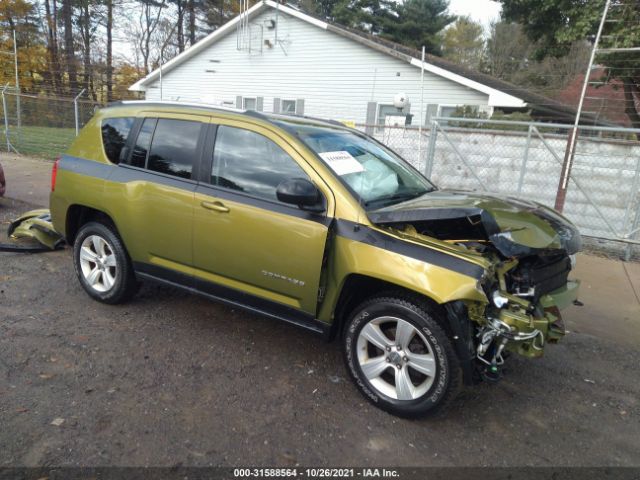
[(419, 22)]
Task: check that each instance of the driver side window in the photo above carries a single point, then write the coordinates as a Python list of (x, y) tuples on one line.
[(248, 162)]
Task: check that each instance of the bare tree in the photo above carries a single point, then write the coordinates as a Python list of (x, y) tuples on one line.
[(53, 59), (180, 11), (165, 40), (69, 50), (191, 7), (149, 20), (109, 29), (87, 22), (508, 50)]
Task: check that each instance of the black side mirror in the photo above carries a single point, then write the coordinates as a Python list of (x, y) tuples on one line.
[(300, 192)]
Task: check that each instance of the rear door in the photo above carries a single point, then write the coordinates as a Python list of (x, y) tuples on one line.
[(158, 179), (244, 238)]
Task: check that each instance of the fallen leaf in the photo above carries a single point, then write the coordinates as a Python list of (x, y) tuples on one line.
[(57, 421), (46, 376)]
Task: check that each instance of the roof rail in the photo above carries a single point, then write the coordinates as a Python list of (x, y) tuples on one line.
[(252, 113), (175, 103)]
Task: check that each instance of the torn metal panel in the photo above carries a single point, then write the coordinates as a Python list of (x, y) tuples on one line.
[(36, 225), (516, 228)]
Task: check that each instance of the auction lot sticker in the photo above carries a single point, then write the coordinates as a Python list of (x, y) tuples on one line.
[(342, 162)]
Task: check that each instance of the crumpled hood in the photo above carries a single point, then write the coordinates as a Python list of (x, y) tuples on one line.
[(515, 227)]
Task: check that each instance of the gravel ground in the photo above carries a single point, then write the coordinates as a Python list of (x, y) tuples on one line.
[(174, 379)]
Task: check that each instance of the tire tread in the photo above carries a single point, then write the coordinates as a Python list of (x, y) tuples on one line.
[(425, 309)]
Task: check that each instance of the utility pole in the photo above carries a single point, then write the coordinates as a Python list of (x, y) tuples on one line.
[(573, 134), (421, 107)]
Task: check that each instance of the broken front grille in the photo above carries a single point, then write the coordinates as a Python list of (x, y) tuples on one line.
[(537, 276)]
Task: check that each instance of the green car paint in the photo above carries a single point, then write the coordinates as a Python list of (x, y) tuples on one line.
[(307, 265), (36, 224)]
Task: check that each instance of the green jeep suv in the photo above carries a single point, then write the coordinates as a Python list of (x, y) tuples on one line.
[(321, 226)]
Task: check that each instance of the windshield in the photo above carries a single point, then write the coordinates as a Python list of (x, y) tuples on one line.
[(375, 175)]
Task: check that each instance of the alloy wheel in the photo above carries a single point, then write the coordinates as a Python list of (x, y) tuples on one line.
[(396, 358), (98, 263)]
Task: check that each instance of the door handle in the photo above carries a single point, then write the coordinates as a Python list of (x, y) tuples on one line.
[(216, 206)]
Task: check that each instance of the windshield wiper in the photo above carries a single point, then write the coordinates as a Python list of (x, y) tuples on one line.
[(403, 197)]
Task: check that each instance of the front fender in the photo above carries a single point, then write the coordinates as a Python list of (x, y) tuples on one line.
[(368, 252)]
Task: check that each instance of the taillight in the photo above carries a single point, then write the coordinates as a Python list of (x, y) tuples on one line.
[(54, 174)]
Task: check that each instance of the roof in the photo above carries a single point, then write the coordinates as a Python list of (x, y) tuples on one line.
[(604, 100), (501, 93)]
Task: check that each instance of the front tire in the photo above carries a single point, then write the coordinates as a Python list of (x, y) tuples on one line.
[(102, 264), (399, 356)]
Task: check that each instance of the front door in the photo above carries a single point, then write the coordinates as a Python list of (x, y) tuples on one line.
[(244, 238)]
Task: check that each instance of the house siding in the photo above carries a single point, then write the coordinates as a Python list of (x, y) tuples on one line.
[(334, 76)]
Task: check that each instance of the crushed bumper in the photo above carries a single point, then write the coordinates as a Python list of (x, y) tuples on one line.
[(528, 333), (35, 225)]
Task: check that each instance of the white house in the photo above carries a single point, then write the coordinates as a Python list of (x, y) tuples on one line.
[(275, 58)]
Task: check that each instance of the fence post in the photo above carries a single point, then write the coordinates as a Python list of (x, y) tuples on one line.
[(6, 118), (75, 111), (523, 169), (431, 149), (633, 200)]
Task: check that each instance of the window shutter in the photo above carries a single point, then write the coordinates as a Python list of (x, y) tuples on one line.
[(260, 104), (300, 106), (432, 111), (371, 117), (238, 101), (276, 105)]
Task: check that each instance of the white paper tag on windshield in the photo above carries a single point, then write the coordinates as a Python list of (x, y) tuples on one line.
[(342, 162)]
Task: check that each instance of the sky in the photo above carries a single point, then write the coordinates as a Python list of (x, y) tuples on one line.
[(482, 11)]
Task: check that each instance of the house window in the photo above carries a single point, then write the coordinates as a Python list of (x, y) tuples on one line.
[(289, 106), (386, 110), (465, 111), (250, 103), (447, 110)]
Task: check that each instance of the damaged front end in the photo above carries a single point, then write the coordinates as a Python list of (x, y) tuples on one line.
[(531, 251)]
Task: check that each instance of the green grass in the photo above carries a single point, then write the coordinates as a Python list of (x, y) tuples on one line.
[(43, 142)]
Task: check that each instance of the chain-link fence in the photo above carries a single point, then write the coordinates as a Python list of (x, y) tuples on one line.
[(41, 126), (519, 159), (524, 160)]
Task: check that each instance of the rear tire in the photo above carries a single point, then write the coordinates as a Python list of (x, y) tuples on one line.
[(102, 264), (399, 356)]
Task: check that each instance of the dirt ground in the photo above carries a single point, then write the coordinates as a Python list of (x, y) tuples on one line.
[(174, 379)]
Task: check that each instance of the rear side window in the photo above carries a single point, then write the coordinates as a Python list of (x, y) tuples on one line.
[(174, 147), (139, 154), (114, 136)]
